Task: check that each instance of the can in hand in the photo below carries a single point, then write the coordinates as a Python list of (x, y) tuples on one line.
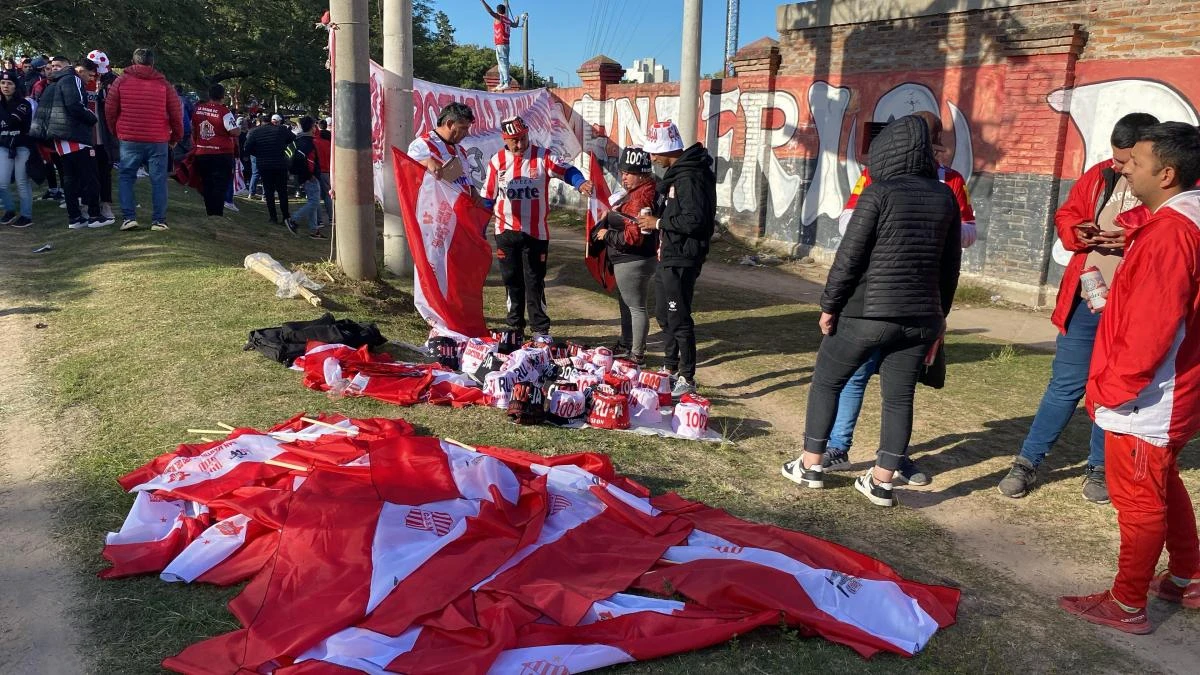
[(645, 212), (1094, 288)]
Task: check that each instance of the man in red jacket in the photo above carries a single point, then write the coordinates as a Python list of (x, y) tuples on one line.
[(1144, 387), (1087, 226), (144, 112)]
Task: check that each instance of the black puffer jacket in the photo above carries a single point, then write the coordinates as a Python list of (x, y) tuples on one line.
[(900, 256), (686, 224), (67, 117), (267, 143)]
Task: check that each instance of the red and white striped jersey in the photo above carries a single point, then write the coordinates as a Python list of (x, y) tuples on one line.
[(521, 187), (430, 145)]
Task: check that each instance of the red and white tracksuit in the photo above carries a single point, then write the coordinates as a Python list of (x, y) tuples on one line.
[(1144, 391)]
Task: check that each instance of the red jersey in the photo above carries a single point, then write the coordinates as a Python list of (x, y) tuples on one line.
[(501, 29), (211, 124), (521, 187)]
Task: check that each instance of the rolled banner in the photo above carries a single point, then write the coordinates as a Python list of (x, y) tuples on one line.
[(690, 420), (474, 353), (643, 407)]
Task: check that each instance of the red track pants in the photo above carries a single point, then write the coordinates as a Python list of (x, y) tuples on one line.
[(1153, 509)]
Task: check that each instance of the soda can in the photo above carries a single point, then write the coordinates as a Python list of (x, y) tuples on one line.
[(1094, 288)]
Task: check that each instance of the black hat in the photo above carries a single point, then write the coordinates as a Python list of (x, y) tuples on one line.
[(634, 160)]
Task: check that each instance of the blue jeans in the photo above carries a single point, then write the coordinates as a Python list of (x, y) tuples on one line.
[(1068, 380), (254, 178), (325, 197), (850, 403), (312, 192), (502, 63), (133, 155), (14, 167)]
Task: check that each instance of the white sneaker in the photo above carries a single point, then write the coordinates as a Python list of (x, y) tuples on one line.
[(77, 224), (812, 477), (880, 494), (230, 206), (101, 222), (142, 173), (129, 224)]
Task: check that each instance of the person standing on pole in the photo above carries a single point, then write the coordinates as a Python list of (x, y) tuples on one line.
[(517, 188), (686, 227), (501, 28)]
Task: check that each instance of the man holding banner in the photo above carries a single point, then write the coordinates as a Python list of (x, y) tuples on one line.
[(438, 149), (517, 186)]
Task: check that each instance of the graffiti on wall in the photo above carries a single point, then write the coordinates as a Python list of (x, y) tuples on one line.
[(1095, 108), (608, 124)]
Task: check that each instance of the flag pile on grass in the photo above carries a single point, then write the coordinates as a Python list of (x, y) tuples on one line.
[(370, 549)]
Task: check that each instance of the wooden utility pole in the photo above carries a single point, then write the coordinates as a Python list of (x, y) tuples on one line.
[(354, 206), (398, 101), (689, 75)]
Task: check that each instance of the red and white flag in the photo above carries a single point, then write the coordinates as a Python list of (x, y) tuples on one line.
[(451, 256)]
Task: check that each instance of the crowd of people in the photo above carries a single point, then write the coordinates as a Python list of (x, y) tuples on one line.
[(69, 122)]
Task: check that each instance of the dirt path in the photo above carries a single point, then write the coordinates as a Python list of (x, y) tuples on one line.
[(37, 594), (1012, 549)]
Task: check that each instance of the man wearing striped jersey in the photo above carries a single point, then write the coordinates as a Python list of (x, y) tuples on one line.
[(437, 147), (518, 189)]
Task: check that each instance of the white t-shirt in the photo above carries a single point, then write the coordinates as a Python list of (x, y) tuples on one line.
[(430, 145)]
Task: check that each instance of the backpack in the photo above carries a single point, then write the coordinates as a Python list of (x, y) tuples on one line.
[(300, 164), (40, 124)]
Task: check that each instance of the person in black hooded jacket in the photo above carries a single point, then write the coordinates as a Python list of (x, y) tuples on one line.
[(689, 188), (890, 287)]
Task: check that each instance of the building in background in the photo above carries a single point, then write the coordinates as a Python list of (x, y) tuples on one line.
[(647, 71)]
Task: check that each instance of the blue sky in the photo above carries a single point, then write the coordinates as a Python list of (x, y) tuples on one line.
[(565, 33)]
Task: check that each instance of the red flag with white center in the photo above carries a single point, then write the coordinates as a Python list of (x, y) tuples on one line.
[(596, 252), (451, 257)]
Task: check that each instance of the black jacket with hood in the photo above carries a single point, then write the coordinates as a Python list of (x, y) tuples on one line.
[(686, 224), (67, 117), (900, 256)]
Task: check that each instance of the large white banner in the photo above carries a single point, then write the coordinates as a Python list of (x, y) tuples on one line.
[(548, 127)]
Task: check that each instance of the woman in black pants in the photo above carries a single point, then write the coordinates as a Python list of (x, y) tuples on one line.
[(890, 288)]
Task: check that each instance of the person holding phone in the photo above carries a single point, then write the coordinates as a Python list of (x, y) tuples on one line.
[(1087, 226), (632, 250)]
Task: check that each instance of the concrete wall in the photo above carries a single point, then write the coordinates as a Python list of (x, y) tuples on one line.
[(1027, 92)]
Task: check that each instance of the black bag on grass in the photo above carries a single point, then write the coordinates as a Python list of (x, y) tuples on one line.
[(286, 343)]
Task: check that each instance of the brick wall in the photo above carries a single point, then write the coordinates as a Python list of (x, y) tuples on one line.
[(1027, 92)]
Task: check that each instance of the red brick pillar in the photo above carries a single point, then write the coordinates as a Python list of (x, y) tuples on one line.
[(1033, 137), (596, 74)]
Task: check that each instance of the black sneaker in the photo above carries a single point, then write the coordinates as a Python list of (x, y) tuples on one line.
[(290, 225), (1019, 480), (835, 459), (317, 234), (1095, 488), (909, 473), (21, 222), (812, 477), (880, 494), (8, 217), (77, 224), (52, 196)]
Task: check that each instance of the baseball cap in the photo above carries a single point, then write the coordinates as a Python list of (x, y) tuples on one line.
[(276, 118), (634, 160), (663, 137), (513, 127), (38, 63), (100, 59)]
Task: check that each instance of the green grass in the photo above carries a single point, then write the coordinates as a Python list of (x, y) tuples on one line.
[(144, 339)]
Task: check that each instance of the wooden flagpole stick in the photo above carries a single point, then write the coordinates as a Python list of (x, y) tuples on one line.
[(225, 426), (286, 465), (459, 444), (207, 431), (327, 425)]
